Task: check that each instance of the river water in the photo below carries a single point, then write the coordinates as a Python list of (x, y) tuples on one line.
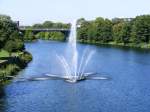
[(127, 90)]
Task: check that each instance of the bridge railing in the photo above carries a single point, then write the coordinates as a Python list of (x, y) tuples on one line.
[(45, 29)]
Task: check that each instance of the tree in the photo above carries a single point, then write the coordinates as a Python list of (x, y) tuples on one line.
[(37, 26), (47, 24), (29, 36), (82, 31), (103, 29), (107, 31), (47, 35), (10, 39), (14, 45), (40, 35), (80, 21), (141, 29), (91, 33), (121, 32), (56, 36), (6, 28), (117, 20)]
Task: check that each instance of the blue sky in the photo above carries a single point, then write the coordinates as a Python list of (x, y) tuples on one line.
[(36, 11)]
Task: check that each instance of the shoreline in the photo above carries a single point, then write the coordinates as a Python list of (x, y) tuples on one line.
[(113, 44)]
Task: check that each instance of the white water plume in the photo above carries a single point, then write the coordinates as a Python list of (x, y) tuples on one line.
[(84, 58), (86, 62), (64, 64), (73, 69), (73, 47)]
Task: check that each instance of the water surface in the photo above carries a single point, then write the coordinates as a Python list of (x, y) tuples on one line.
[(127, 91)]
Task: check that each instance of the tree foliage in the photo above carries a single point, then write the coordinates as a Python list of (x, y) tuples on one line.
[(50, 24), (10, 38), (118, 30), (51, 36), (141, 29), (29, 36)]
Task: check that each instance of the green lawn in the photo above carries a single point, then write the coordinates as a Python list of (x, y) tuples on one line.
[(4, 53)]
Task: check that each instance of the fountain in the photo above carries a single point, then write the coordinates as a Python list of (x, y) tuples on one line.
[(75, 71)]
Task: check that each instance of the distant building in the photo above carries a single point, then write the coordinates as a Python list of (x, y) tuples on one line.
[(118, 20), (127, 19)]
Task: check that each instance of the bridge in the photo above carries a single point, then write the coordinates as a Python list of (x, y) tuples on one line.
[(45, 29), (65, 31)]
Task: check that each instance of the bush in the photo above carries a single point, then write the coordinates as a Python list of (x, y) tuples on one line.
[(25, 57), (51, 36), (10, 69), (14, 45), (56, 36)]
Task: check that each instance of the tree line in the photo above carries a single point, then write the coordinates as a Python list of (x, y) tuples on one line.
[(118, 31)]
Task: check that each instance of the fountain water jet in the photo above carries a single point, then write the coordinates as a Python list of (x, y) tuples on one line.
[(74, 72), (74, 52)]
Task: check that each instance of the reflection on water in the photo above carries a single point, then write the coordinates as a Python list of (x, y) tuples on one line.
[(127, 91)]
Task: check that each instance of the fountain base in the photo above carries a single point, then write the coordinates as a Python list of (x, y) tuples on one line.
[(70, 79), (79, 77), (74, 79)]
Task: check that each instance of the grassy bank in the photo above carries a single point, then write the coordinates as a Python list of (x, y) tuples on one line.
[(132, 45), (11, 64)]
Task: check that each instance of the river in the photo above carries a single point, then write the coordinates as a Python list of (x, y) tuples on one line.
[(127, 90)]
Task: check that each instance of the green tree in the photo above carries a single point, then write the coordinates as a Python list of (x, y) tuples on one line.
[(91, 33), (10, 38), (106, 31), (141, 29), (37, 26), (82, 31), (47, 35), (48, 24), (7, 26), (29, 36), (57, 36), (121, 32), (40, 35), (14, 45)]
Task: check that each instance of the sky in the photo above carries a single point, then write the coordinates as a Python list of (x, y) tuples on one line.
[(29, 12)]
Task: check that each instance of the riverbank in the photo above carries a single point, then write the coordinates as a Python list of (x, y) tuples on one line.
[(11, 65), (131, 45)]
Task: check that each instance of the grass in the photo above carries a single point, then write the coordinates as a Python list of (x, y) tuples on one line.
[(4, 53), (14, 65)]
